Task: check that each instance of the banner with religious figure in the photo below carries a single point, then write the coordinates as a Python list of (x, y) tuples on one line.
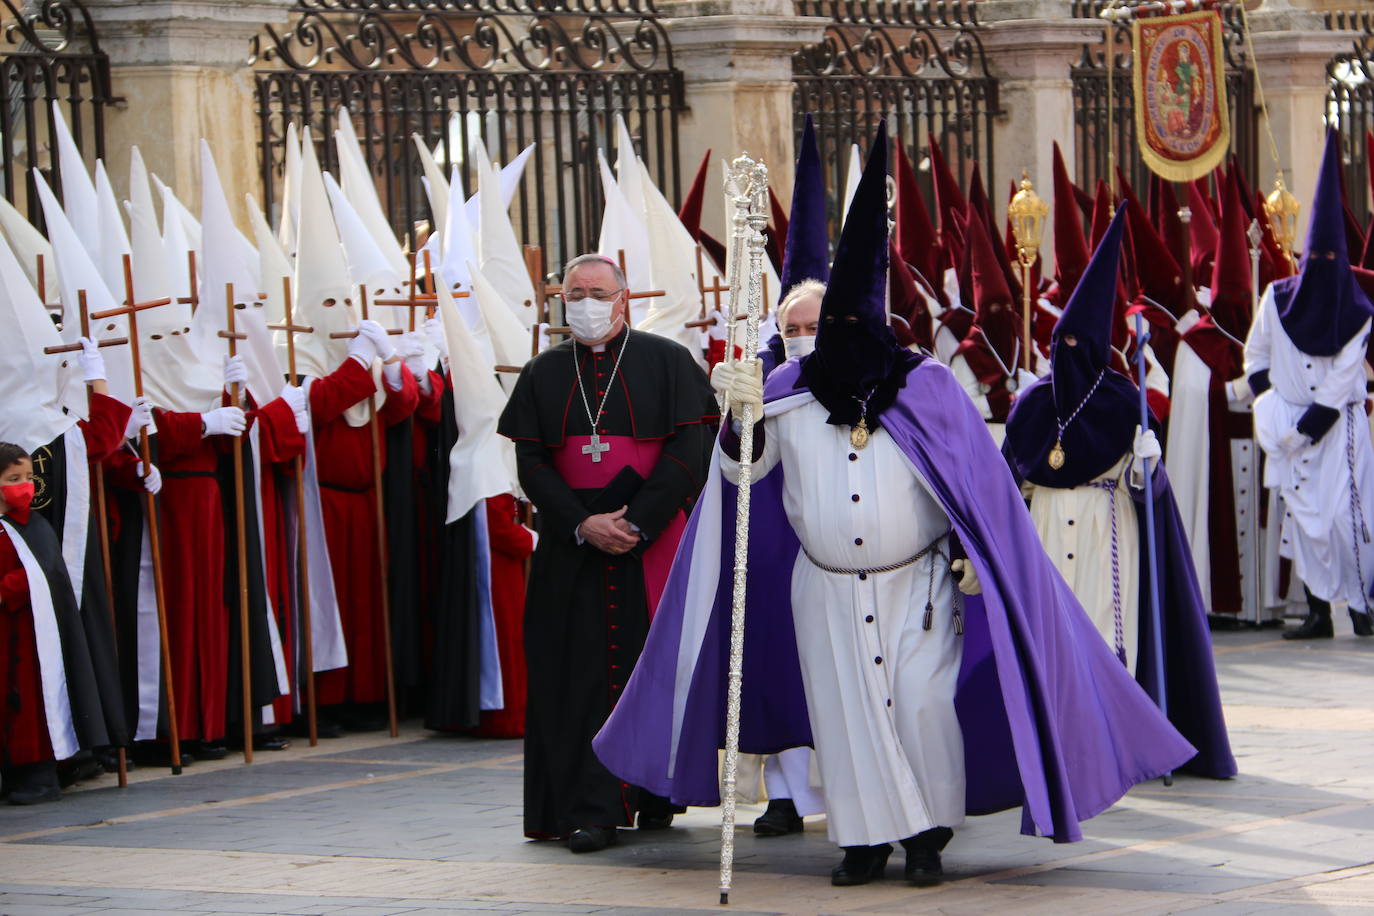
[(1181, 118)]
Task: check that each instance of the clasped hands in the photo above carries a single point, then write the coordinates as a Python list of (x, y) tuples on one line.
[(609, 532)]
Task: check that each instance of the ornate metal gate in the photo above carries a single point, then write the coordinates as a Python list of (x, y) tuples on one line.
[(1350, 103), (918, 63), (48, 53), (1094, 125), (550, 72)]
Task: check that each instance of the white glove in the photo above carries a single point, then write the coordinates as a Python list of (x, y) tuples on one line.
[(152, 481), (391, 374), (377, 334), (140, 417), (1024, 379), (363, 350), (740, 383), (1146, 445), (92, 363), (718, 328), (411, 350), (294, 397), (434, 330), (1293, 441), (1238, 391), (969, 584), (224, 421), (235, 372)]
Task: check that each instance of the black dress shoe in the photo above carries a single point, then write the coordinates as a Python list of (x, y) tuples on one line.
[(362, 719), (861, 865), (35, 795), (270, 743), (80, 768), (1314, 626), (159, 754), (206, 750), (923, 868), (591, 839), (780, 819), (647, 821), (1364, 625)]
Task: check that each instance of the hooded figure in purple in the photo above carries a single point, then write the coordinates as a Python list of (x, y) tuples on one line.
[(1305, 360), (1074, 441), (806, 256), (922, 707)]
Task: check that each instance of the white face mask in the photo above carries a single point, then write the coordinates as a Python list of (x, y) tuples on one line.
[(590, 319), (798, 346)]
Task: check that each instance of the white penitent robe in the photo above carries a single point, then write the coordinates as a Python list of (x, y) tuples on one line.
[(788, 775), (1328, 486), (1087, 531), (879, 687)]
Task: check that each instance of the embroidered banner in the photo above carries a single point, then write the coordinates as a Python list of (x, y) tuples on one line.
[(1181, 118)]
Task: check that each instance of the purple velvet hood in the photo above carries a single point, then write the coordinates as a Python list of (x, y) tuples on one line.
[(1051, 720)]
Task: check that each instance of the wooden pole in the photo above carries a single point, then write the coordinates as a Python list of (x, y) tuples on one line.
[(302, 557), (374, 425), (102, 527), (154, 532), (241, 538)]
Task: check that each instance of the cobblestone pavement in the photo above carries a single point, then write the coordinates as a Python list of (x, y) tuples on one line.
[(429, 824)]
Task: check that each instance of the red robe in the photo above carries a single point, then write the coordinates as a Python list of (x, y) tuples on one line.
[(193, 573), (511, 546), (23, 730), (344, 464), (279, 442)]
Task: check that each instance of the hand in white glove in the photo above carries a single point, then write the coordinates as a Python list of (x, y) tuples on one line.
[(140, 417), (380, 340), (92, 363), (969, 583), (152, 481), (434, 330), (235, 372), (411, 350), (1238, 391), (363, 350), (1293, 441), (1024, 379), (740, 383), (1146, 445), (295, 399), (224, 421)]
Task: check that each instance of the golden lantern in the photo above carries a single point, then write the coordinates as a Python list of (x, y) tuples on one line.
[(1027, 213), (1283, 208)]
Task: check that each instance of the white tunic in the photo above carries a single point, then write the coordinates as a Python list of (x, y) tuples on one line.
[(1328, 520), (879, 688), (1076, 526)]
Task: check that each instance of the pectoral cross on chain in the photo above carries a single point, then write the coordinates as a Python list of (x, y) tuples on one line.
[(595, 448)]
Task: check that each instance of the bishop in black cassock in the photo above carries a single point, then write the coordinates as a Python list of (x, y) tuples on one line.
[(613, 434)]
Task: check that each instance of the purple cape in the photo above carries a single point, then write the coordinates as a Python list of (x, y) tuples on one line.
[(1051, 720)]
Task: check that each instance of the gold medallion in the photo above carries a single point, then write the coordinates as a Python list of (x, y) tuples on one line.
[(1057, 455), (858, 436)]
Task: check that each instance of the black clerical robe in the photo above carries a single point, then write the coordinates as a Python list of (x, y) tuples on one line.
[(587, 612)]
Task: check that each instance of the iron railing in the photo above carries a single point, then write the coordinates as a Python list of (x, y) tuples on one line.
[(48, 53), (1350, 102), (918, 63), (555, 73), (1095, 121)]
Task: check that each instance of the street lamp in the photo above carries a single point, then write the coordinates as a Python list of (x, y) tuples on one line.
[(1027, 213)]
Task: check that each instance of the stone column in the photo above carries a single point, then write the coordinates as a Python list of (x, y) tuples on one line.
[(736, 56), (1031, 46), (180, 67), (1292, 49)]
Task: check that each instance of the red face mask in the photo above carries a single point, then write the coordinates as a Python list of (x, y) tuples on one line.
[(18, 496)]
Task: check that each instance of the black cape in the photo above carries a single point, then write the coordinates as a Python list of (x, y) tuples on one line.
[(586, 612)]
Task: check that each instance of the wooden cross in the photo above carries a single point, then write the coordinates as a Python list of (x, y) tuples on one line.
[(131, 308), (291, 329), (241, 535)]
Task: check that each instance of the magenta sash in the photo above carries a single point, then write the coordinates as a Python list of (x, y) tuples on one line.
[(581, 473)]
